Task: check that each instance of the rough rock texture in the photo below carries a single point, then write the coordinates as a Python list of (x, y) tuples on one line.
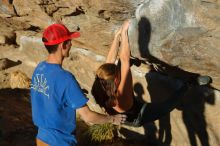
[(6, 63), (178, 38), (6, 8), (18, 79), (179, 33)]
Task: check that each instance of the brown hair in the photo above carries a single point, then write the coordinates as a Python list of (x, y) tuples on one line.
[(52, 48), (104, 89)]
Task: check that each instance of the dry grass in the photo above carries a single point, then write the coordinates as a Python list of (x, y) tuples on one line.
[(101, 133)]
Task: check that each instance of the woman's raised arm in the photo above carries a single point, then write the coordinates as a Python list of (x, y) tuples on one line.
[(113, 52), (125, 89)]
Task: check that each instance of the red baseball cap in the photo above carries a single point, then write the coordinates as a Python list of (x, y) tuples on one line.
[(58, 33)]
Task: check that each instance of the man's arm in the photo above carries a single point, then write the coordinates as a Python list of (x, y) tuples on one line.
[(95, 118), (113, 52)]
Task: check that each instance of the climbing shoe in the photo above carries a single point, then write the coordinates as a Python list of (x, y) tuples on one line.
[(203, 80)]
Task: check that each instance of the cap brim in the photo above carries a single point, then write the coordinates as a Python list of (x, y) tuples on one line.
[(74, 35)]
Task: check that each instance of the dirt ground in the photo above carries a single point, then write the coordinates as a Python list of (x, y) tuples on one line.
[(16, 124)]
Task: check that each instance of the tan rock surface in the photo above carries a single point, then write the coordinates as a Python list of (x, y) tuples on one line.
[(175, 33)]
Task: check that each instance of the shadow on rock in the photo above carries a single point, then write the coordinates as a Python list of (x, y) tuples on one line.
[(7, 63)]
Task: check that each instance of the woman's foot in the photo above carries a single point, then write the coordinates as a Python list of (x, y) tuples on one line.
[(203, 80), (199, 81)]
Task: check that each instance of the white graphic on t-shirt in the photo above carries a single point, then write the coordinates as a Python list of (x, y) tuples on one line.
[(40, 84)]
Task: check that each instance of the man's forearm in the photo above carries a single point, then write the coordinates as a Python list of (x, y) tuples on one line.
[(96, 118)]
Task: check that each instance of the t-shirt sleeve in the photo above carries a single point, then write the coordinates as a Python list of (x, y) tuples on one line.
[(74, 96)]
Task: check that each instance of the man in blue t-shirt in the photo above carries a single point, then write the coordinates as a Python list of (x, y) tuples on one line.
[(56, 95)]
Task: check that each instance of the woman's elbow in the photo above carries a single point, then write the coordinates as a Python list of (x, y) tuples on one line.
[(125, 59)]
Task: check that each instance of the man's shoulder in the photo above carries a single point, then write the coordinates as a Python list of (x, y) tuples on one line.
[(66, 75)]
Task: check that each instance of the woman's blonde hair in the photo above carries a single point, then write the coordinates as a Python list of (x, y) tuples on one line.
[(104, 89)]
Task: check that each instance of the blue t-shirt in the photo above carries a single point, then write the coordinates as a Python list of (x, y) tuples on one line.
[(55, 96)]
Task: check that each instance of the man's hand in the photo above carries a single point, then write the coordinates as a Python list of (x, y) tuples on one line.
[(118, 119)]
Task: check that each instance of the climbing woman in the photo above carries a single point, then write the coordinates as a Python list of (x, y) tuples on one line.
[(113, 86)]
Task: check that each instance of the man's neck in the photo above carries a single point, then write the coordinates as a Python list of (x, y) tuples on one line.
[(55, 59)]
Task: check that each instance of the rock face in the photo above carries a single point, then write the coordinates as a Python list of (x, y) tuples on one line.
[(20, 80), (178, 38), (179, 33), (6, 63)]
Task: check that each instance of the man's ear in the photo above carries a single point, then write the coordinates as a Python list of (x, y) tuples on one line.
[(60, 45), (63, 45)]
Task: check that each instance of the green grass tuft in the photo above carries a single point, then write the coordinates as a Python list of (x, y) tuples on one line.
[(101, 133)]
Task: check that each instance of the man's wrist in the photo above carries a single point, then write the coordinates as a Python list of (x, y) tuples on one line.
[(111, 119)]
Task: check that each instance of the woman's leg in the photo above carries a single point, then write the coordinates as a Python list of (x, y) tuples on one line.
[(153, 111)]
